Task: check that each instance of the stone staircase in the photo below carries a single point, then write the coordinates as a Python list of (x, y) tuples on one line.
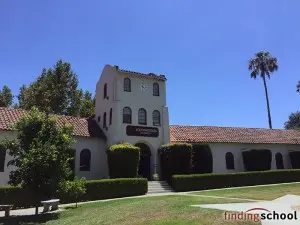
[(155, 187)]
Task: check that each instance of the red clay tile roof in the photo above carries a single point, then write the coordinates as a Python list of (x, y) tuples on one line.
[(151, 75), (84, 127), (208, 134)]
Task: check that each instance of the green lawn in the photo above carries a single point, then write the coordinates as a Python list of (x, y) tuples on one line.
[(163, 210), (259, 193)]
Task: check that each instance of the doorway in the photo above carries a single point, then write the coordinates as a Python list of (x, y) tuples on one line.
[(145, 160)]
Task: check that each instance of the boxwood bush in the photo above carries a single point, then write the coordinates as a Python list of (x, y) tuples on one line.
[(257, 159), (196, 182), (123, 160), (295, 159), (202, 160), (95, 190), (175, 159)]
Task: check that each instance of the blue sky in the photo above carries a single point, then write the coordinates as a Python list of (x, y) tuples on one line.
[(203, 47)]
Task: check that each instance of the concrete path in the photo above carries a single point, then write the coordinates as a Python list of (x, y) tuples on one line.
[(288, 205), (31, 211)]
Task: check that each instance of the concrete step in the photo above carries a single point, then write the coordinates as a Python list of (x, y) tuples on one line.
[(158, 187)]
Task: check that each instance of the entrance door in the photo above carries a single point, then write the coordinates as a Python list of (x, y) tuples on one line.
[(145, 159)]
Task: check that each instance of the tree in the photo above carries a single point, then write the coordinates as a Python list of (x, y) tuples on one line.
[(56, 91), (6, 97), (75, 188), (87, 107), (293, 122), (41, 154), (53, 91), (263, 64)]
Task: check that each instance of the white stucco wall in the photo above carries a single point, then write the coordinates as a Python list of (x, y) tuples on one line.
[(98, 168), (220, 149), (97, 146)]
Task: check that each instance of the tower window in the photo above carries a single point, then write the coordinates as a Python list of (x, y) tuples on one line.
[(142, 117), (110, 116), (105, 91), (156, 118), (127, 115), (127, 84), (104, 120), (155, 89)]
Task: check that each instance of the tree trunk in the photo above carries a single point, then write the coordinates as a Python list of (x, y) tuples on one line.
[(268, 105)]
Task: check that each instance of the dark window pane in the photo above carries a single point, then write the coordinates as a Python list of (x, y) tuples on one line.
[(126, 115), (2, 159), (85, 160), (104, 120), (142, 117), (155, 89), (127, 85), (229, 161), (156, 118), (110, 116)]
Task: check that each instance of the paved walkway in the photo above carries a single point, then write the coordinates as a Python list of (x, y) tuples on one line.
[(31, 211)]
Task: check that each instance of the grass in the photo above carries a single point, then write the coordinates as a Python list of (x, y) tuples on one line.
[(258, 193), (162, 210)]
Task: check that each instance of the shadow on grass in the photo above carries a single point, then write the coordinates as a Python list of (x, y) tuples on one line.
[(72, 207), (29, 219)]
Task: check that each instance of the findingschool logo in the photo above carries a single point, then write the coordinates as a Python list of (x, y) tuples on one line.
[(264, 214)]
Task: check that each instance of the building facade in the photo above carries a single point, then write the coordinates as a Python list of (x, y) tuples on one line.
[(131, 107)]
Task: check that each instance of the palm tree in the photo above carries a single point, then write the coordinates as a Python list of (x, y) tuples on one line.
[(263, 64)]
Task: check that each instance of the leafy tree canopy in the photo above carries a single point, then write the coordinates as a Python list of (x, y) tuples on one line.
[(41, 153), (293, 121), (56, 91), (6, 97)]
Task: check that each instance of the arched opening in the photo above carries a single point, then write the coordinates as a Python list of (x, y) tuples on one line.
[(85, 160), (145, 160), (229, 161), (2, 159), (279, 161)]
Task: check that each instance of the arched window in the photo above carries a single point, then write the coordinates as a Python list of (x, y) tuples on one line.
[(142, 117), (126, 115), (127, 84), (85, 160), (229, 161), (155, 89), (105, 91), (2, 159), (104, 120), (279, 161), (110, 116), (156, 118)]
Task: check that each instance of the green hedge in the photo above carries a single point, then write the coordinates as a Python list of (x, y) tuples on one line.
[(175, 159), (202, 160), (257, 159), (96, 190), (196, 182), (123, 160), (295, 159)]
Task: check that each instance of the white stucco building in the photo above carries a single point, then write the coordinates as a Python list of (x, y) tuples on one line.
[(131, 107)]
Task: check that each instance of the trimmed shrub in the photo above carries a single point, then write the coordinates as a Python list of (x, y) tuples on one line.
[(95, 190), (257, 159), (123, 160), (175, 159), (197, 182), (295, 159), (202, 160)]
